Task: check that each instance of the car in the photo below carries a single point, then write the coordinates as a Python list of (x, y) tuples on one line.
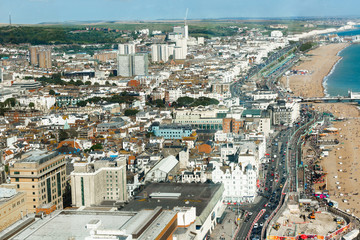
[(261, 224), (256, 225), (266, 216), (250, 213)]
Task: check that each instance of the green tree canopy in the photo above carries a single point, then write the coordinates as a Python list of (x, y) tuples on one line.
[(131, 112)]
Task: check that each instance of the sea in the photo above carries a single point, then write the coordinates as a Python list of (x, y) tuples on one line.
[(345, 75)]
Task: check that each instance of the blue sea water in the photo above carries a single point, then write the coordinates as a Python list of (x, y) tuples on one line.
[(345, 75)]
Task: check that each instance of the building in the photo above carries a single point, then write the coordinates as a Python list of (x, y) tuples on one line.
[(201, 118), (40, 56), (232, 125), (42, 175), (284, 113), (1, 74), (180, 50), (20, 116), (163, 169), (205, 197), (12, 206), (171, 131), (264, 95), (98, 181), (276, 34), (182, 31), (160, 52), (44, 58), (132, 64), (239, 183), (126, 49), (105, 56), (157, 223), (34, 60)]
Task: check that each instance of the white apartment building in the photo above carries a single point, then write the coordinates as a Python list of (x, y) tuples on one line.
[(180, 50), (132, 64), (127, 48), (239, 182), (160, 52), (264, 95), (284, 113)]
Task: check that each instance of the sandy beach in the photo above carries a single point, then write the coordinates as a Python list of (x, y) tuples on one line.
[(343, 163), (318, 65)]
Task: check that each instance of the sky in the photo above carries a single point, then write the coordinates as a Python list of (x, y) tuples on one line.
[(37, 11)]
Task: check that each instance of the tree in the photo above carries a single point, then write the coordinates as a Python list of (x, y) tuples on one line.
[(184, 101), (97, 146), (306, 46), (88, 83), (107, 83), (114, 84), (52, 92), (63, 135), (82, 103), (10, 102), (79, 83), (159, 103), (31, 105), (131, 112)]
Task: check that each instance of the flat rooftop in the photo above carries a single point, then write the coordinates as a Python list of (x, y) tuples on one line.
[(196, 195), (38, 156), (158, 225), (71, 225)]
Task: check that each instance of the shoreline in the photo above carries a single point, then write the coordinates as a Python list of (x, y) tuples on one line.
[(325, 79), (319, 65)]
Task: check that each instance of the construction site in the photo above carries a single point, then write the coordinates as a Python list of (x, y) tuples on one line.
[(304, 218)]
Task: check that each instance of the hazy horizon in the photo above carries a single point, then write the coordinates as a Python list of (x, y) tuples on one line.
[(39, 11)]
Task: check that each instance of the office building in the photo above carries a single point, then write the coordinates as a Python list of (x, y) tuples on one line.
[(159, 53), (41, 174), (127, 48), (132, 64), (12, 205), (98, 181)]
